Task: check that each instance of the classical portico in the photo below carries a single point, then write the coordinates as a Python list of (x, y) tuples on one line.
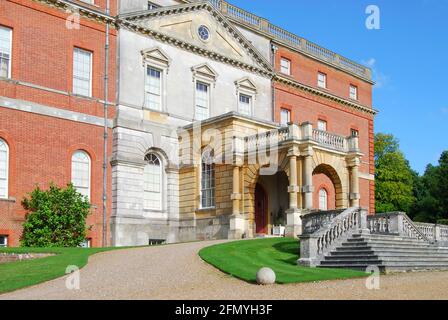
[(262, 163)]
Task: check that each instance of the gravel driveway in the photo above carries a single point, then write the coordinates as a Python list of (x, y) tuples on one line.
[(177, 272)]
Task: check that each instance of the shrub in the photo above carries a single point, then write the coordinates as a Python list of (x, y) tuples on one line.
[(442, 221), (56, 217)]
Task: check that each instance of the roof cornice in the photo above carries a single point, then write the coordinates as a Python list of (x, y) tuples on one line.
[(84, 10), (293, 83)]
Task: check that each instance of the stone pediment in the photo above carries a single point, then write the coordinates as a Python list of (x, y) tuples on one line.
[(246, 84), (157, 56), (204, 71), (201, 26)]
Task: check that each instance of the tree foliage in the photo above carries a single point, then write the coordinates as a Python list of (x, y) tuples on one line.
[(431, 192), (394, 178), (56, 217)]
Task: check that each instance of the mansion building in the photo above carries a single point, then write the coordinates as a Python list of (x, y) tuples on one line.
[(180, 120)]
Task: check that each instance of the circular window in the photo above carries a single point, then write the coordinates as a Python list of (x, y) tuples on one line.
[(204, 33)]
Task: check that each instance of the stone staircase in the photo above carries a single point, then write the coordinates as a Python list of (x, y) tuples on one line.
[(387, 252), (352, 240)]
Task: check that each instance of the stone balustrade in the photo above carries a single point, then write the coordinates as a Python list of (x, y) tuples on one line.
[(396, 223), (290, 39), (314, 246), (303, 132)]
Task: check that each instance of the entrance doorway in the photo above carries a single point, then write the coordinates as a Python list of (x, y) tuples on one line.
[(261, 210)]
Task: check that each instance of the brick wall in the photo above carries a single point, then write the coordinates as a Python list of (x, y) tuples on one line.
[(41, 146)]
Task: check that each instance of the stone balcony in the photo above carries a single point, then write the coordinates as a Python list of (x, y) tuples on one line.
[(301, 134)]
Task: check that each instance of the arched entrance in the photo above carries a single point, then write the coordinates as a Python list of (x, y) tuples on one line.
[(328, 188), (261, 210)]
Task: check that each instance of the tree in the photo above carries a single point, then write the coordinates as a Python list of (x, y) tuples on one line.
[(394, 178), (56, 217), (431, 192)]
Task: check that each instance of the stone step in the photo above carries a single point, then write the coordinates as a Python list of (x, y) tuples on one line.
[(386, 241), (386, 244), (383, 268), (387, 253), (386, 260), (394, 249)]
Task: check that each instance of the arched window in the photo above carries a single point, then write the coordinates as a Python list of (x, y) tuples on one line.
[(323, 200), (207, 179), (81, 172), (152, 183), (4, 158)]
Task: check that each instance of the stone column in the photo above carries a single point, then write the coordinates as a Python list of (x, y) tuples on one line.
[(308, 187), (236, 196), (293, 220), (354, 183), (237, 219)]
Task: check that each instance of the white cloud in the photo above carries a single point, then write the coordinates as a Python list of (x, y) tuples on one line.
[(381, 79)]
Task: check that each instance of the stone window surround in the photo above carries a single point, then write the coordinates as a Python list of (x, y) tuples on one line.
[(206, 74), (164, 184), (5, 144), (246, 87), (156, 58)]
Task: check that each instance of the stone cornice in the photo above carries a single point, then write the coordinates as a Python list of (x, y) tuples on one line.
[(292, 83), (265, 66), (84, 10)]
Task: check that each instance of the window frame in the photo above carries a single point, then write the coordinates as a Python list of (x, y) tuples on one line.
[(289, 116), (89, 195), (322, 121), (352, 86), (90, 95), (288, 61), (209, 96), (251, 103), (147, 163), (162, 87), (352, 131), (6, 196), (212, 180), (5, 236), (320, 199), (10, 30), (319, 73)]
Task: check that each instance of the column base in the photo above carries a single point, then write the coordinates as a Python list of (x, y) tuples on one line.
[(293, 223), (238, 227)]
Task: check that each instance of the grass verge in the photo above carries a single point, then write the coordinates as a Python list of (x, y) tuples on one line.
[(242, 259), (20, 274)]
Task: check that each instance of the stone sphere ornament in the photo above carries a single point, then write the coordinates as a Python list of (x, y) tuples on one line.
[(265, 276)]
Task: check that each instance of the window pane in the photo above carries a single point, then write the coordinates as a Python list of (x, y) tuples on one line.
[(82, 73), (245, 105), (285, 116), (3, 241), (152, 185), (81, 173), (3, 169), (322, 80), (202, 101), (207, 180), (5, 51), (322, 125), (323, 199), (153, 89), (353, 92), (285, 66)]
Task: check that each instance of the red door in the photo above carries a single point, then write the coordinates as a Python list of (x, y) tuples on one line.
[(261, 220)]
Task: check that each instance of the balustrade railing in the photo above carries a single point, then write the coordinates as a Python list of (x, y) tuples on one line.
[(290, 39), (330, 140), (395, 223), (314, 246), (315, 221)]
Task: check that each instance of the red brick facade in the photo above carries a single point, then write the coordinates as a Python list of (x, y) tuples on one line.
[(341, 119), (41, 146)]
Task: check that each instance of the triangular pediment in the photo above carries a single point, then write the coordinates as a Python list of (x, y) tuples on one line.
[(246, 84), (156, 55), (204, 70), (198, 27)]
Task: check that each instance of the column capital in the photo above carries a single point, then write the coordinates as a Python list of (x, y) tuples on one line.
[(354, 161), (293, 151), (307, 151)]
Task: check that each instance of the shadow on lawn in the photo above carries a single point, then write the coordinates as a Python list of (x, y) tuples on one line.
[(289, 247)]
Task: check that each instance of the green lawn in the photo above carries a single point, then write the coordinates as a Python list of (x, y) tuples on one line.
[(20, 274), (242, 259)]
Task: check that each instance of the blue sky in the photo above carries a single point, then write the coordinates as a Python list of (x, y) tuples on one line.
[(408, 56)]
